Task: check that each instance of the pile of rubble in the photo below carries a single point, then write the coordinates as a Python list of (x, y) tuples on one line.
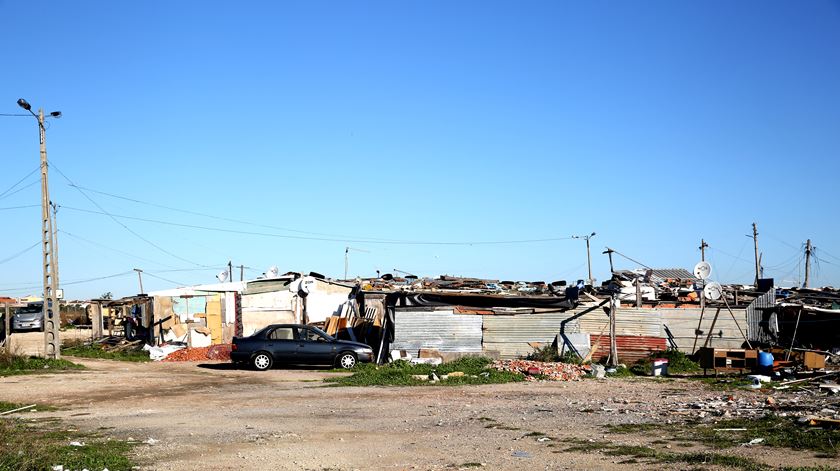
[(535, 370), (215, 352)]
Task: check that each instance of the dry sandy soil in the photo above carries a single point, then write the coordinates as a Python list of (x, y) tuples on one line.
[(209, 416)]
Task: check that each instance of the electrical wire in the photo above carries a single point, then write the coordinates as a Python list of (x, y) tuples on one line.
[(221, 218), (88, 241), (164, 279), (19, 190), (324, 239), (12, 257), (74, 282), (7, 208), (19, 182), (123, 225)]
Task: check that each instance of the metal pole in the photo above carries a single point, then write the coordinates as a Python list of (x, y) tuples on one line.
[(51, 309), (755, 244), (703, 246), (807, 263), (241, 272), (346, 256), (613, 342), (140, 277), (230, 271), (8, 330), (589, 260)]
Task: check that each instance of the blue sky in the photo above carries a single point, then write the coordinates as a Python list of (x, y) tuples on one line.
[(654, 124)]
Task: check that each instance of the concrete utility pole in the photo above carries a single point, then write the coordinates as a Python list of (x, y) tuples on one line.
[(8, 329), (140, 278), (757, 263), (230, 271), (51, 309), (808, 251), (589, 280), (55, 241), (241, 272), (703, 246)]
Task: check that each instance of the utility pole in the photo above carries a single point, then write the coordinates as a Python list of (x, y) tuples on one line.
[(55, 241), (590, 280), (703, 246), (609, 253), (51, 309), (241, 272), (140, 278), (808, 251), (230, 270), (755, 244)]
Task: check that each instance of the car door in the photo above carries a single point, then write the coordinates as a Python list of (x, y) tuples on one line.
[(283, 344), (315, 349)]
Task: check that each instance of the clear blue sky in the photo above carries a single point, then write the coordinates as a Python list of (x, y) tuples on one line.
[(651, 123)]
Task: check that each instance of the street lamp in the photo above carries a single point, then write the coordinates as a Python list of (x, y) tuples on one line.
[(588, 256), (52, 314)]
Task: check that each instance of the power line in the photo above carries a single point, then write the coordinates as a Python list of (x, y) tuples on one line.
[(19, 181), (35, 182), (324, 239), (7, 208), (111, 248), (12, 257), (164, 279), (75, 282), (121, 224)]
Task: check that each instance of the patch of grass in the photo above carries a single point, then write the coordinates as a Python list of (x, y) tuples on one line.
[(622, 372), (548, 353), (778, 432), (13, 364), (84, 350), (26, 447), (7, 406), (678, 363), (724, 383), (401, 373)]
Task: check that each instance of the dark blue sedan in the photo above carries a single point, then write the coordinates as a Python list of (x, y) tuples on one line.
[(296, 344)]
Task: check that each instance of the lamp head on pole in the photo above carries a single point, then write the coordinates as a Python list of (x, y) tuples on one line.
[(55, 114), (24, 104)]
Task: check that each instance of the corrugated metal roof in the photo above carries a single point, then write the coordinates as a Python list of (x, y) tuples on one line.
[(441, 330)]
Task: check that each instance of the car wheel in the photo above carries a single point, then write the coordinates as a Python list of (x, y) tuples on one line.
[(262, 361), (347, 360)]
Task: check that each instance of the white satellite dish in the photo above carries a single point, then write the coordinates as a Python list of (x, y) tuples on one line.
[(222, 276), (272, 272), (702, 270), (713, 290)]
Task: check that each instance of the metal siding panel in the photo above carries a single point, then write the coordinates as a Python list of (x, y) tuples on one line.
[(630, 348), (509, 335), (683, 322), (762, 327), (441, 330), (629, 321)]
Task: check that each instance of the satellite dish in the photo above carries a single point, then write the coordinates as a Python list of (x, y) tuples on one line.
[(272, 272), (713, 290), (702, 270), (222, 276), (307, 284)]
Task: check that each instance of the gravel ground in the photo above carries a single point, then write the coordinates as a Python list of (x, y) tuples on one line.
[(209, 416)]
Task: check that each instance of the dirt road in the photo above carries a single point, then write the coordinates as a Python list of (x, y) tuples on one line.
[(211, 417)]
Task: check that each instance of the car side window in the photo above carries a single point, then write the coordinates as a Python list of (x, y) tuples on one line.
[(312, 336), (282, 333)]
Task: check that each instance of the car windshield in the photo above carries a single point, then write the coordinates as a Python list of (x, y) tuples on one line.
[(322, 333), (30, 310)]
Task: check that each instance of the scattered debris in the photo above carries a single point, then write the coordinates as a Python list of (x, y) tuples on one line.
[(550, 371)]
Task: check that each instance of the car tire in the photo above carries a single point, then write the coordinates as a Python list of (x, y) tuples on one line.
[(346, 360), (262, 361)]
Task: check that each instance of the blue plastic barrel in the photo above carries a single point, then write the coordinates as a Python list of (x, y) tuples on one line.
[(765, 362)]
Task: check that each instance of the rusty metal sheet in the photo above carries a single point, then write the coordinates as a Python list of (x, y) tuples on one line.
[(630, 348)]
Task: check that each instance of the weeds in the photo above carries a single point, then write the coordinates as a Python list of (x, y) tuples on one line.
[(25, 447), (14, 364), (678, 363), (86, 350), (402, 373)]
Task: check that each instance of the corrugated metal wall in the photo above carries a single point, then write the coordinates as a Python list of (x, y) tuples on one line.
[(762, 324), (509, 335), (631, 348), (628, 321), (439, 329), (683, 322)]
